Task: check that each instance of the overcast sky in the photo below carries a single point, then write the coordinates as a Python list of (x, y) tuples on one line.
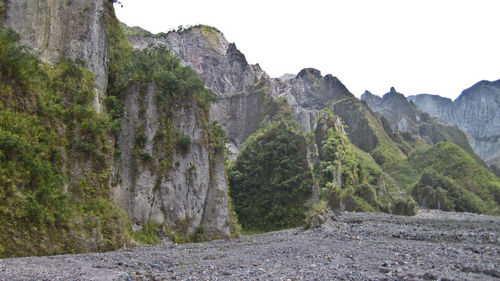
[(421, 46)]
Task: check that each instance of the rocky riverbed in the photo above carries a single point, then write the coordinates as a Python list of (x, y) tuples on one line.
[(433, 245)]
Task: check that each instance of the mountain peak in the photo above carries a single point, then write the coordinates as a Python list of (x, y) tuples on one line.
[(368, 94), (304, 73), (474, 89), (287, 76)]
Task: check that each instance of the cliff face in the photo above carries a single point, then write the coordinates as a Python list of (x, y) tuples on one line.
[(477, 112), (168, 167), (186, 192), (225, 70), (404, 116), (64, 29)]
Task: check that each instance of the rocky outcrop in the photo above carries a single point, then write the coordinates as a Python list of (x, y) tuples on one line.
[(402, 115), (225, 70), (192, 192), (64, 29), (287, 76), (166, 169), (407, 120), (476, 111)]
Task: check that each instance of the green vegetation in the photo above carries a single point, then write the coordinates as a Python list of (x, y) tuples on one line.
[(271, 179), (47, 117), (349, 178), (452, 180), (134, 30), (440, 133), (183, 142), (148, 234), (313, 213), (3, 7), (175, 87)]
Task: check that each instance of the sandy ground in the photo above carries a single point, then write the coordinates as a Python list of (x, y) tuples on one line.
[(353, 246)]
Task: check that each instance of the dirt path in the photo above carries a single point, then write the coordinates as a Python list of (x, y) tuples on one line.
[(356, 246)]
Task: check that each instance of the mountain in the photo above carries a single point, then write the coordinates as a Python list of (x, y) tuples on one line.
[(224, 70), (287, 76), (111, 134), (97, 139), (476, 112), (405, 117)]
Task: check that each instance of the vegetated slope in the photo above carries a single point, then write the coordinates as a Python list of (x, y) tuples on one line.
[(74, 174), (56, 157), (453, 181), (171, 169), (349, 179), (271, 180), (477, 112), (405, 117), (447, 178)]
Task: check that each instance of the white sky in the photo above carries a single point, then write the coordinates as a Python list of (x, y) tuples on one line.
[(418, 46)]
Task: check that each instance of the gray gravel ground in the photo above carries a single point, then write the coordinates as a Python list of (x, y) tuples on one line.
[(354, 246)]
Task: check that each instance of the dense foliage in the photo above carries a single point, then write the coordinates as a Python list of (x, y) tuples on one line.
[(271, 179), (56, 151), (47, 117), (349, 178), (176, 89), (452, 180)]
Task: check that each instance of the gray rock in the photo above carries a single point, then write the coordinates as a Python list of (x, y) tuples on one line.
[(407, 120), (287, 76), (329, 254), (225, 70), (476, 111), (73, 29), (193, 190)]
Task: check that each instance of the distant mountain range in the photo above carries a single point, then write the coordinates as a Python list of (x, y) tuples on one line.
[(476, 112)]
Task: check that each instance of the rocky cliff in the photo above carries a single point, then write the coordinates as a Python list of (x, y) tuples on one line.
[(145, 148), (225, 70), (476, 111), (247, 100), (171, 169), (184, 186), (404, 116), (64, 29)]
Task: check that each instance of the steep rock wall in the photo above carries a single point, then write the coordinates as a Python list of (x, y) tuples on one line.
[(185, 189), (477, 112), (405, 117), (402, 115), (55, 29), (225, 70)]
